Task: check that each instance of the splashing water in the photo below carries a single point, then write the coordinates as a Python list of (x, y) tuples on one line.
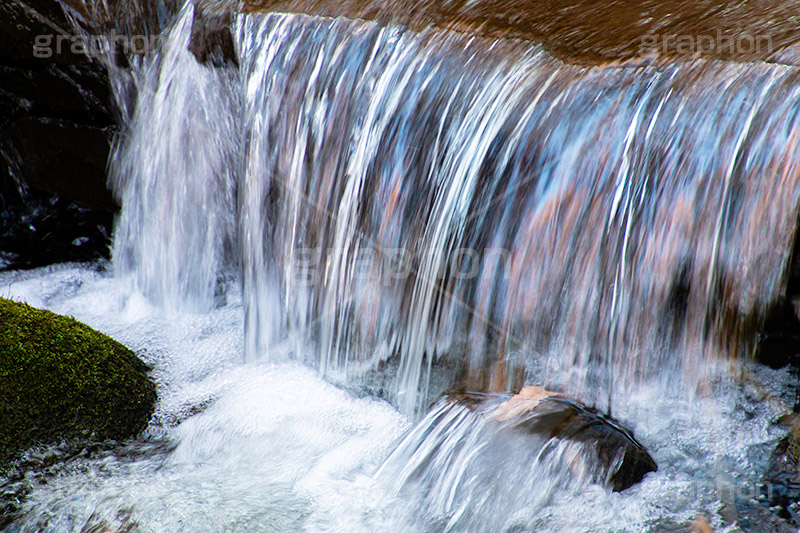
[(179, 159), (459, 465), (266, 447), (411, 212)]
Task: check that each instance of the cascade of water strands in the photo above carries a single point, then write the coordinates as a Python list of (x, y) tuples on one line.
[(436, 199), (412, 210), (422, 210)]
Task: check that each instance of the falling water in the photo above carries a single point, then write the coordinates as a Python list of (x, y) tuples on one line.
[(434, 199), (454, 460), (412, 212), (432, 210), (179, 160)]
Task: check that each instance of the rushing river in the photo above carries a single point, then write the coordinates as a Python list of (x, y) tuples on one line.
[(320, 237)]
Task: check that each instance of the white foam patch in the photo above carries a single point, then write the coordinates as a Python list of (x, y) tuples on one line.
[(274, 447)]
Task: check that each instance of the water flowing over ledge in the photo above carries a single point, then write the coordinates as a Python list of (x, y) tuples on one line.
[(589, 32), (411, 210), (407, 201)]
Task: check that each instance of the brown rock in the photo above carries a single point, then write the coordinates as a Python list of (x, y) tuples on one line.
[(701, 525), (591, 32), (541, 412), (527, 400)]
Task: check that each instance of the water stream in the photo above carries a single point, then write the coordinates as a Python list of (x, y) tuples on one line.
[(318, 241)]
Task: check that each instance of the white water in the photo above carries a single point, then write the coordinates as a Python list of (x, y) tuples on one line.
[(274, 447), (338, 136), (626, 224)]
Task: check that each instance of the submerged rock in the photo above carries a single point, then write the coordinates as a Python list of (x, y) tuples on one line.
[(589, 31), (535, 410), (40, 230), (476, 456), (62, 379)]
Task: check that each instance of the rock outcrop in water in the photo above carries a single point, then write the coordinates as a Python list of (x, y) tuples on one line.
[(537, 411), (781, 483), (476, 455), (62, 379)]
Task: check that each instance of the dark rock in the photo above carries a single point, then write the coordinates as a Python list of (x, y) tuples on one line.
[(781, 487), (779, 340), (57, 124), (42, 229), (63, 158), (566, 419), (58, 120), (548, 415), (212, 41), (24, 24)]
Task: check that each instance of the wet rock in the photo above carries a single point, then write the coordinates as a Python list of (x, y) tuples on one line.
[(779, 342), (592, 32), (701, 525), (56, 129), (212, 41), (61, 379), (474, 456), (544, 413), (41, 464), (62, 157), (58, 120), (781, 486), (44, 229), (56, 133)]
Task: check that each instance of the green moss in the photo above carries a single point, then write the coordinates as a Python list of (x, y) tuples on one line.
[(60, 379), (793, 448)]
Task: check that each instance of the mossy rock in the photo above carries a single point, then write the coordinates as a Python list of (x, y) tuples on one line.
[(793, 443), (61, 379)]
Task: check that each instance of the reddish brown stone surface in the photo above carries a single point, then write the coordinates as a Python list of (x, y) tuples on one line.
[(591, 32)]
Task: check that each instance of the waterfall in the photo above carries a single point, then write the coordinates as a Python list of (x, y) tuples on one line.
[(414, 211), (411, 274), (176, 172)]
